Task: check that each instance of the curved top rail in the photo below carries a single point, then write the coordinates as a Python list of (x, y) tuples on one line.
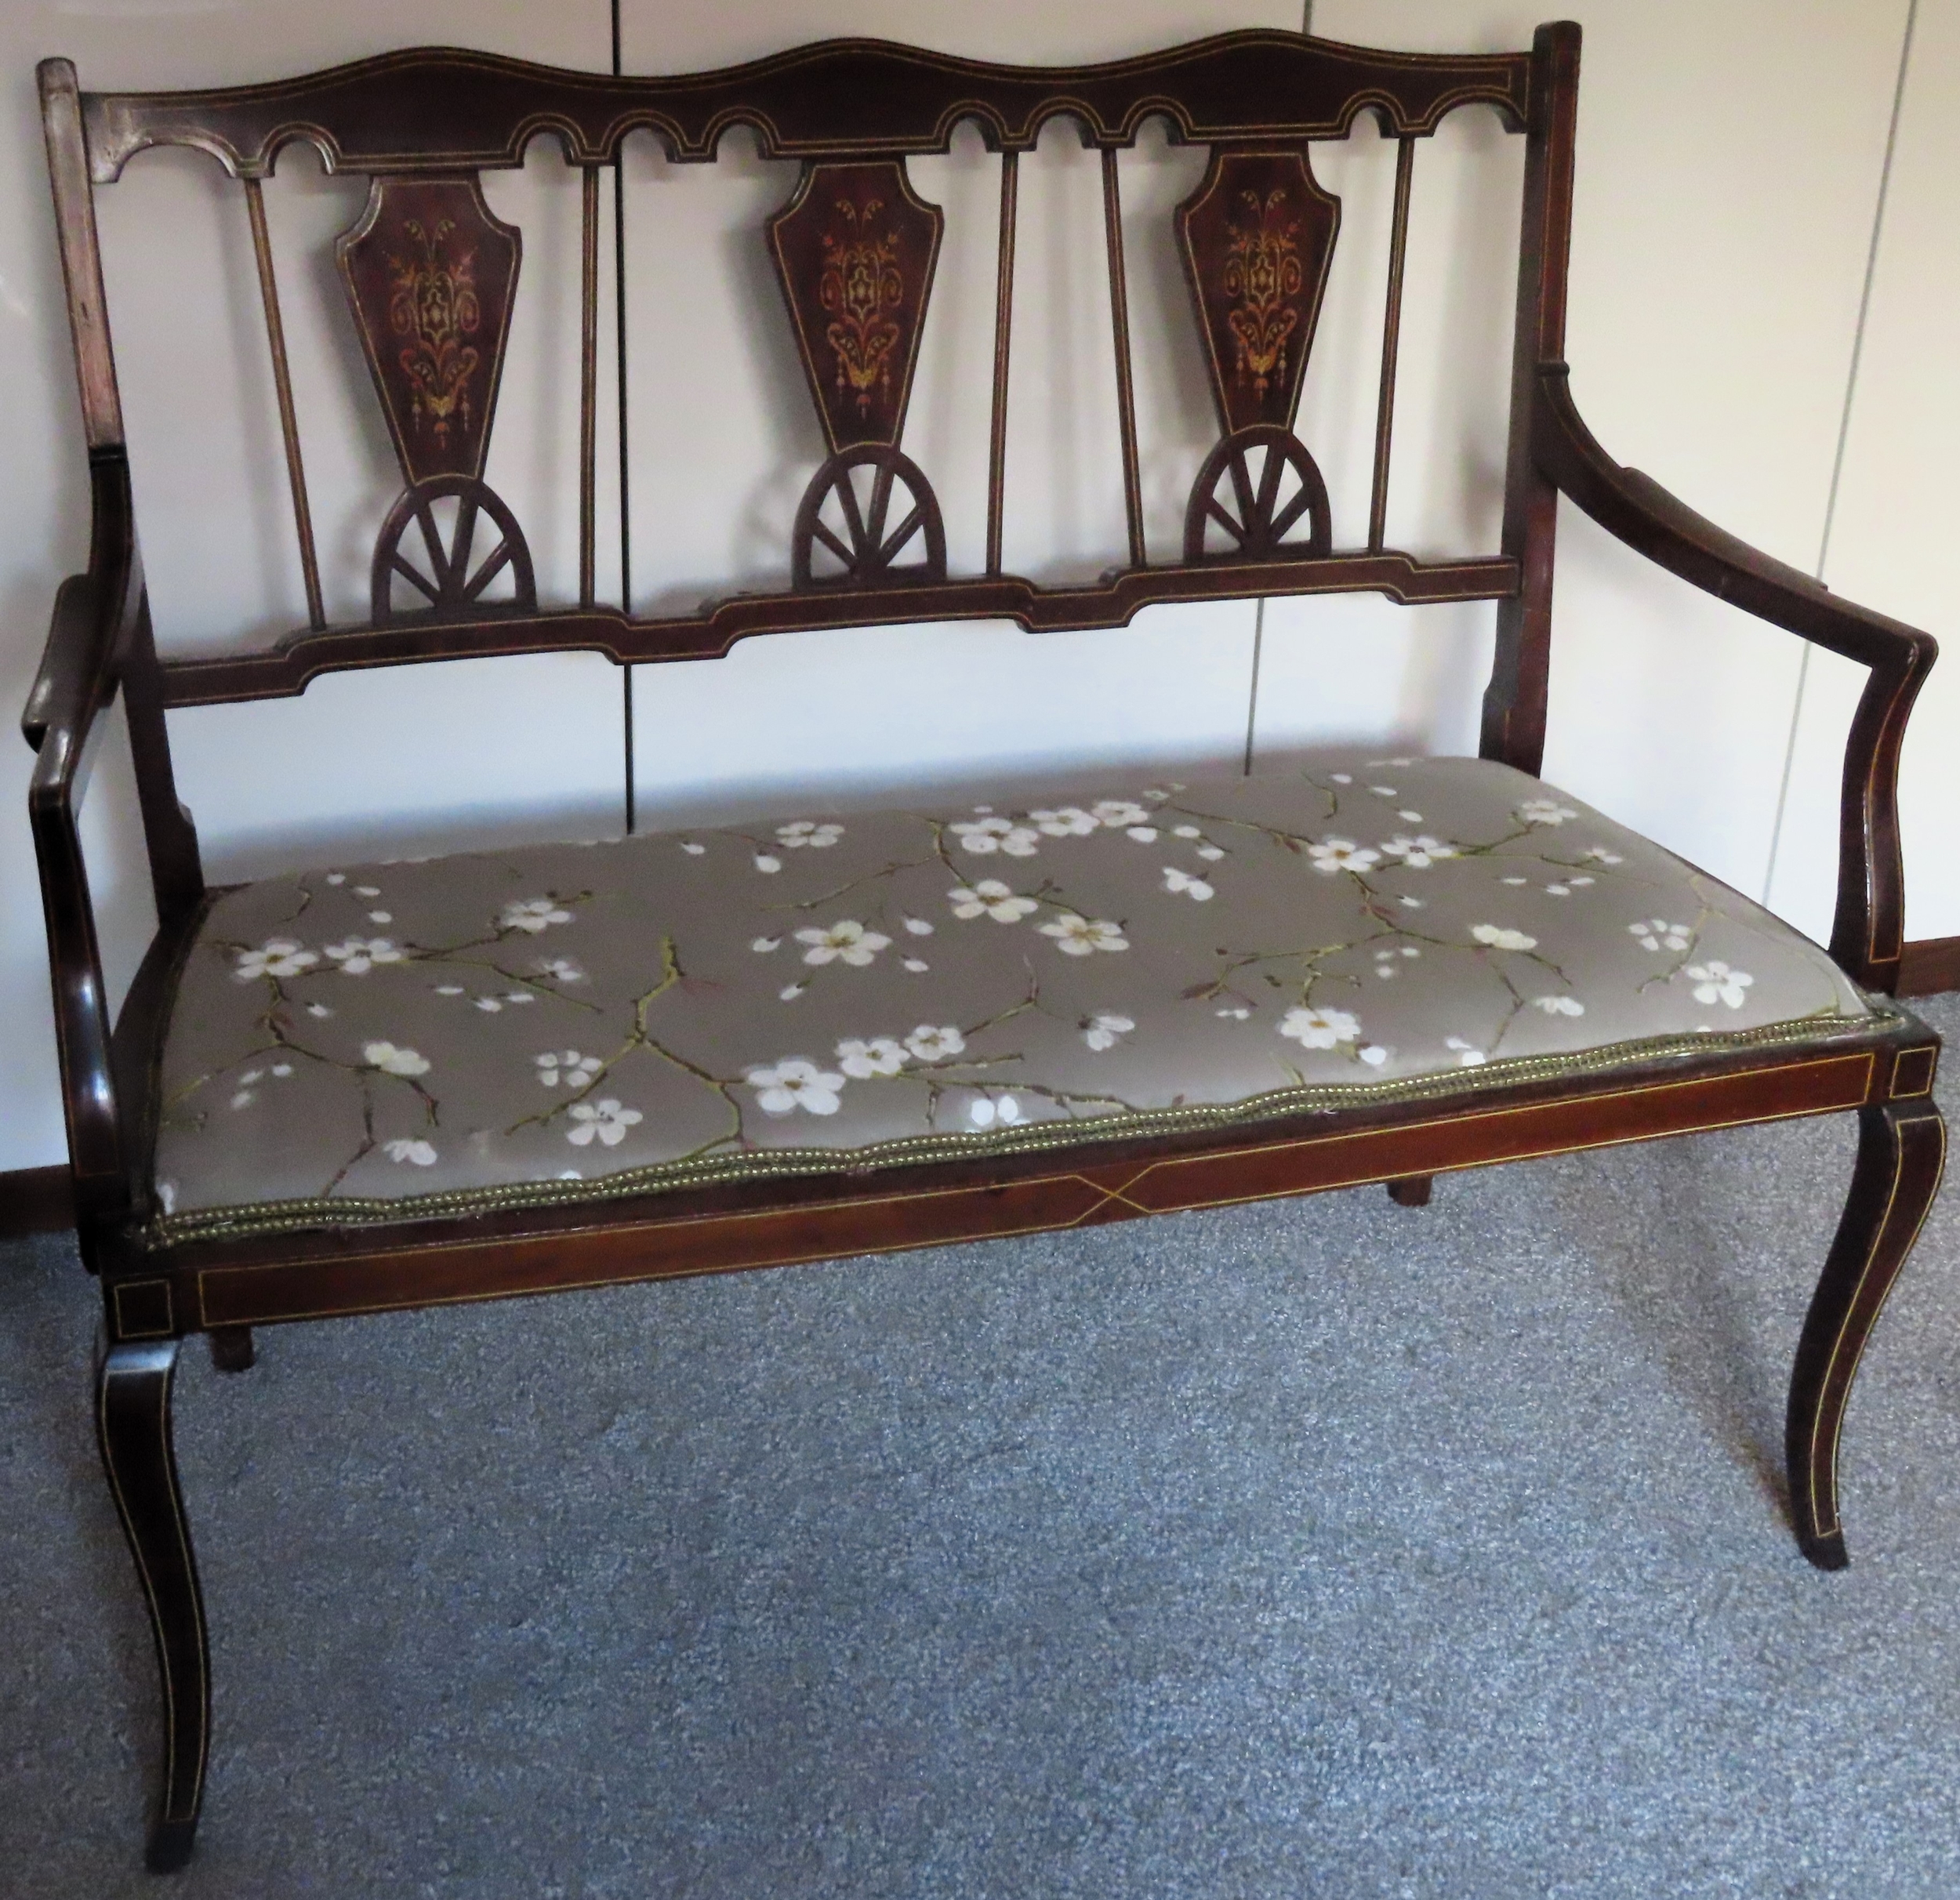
[(428, 109)]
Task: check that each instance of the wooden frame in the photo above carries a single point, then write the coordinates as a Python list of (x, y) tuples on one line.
[(415, 113)]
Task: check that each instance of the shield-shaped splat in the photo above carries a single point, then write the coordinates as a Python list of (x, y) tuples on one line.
[(1257, 237), (431, 275), (855, 249)]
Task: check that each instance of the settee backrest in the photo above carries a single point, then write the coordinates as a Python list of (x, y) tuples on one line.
[(432, 277)]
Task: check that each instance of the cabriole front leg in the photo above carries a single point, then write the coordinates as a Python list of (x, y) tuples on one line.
[(1902, 1148), (132, 1417)]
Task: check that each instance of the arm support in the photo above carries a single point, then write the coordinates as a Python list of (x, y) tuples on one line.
[(1868, 930), (96, 618)]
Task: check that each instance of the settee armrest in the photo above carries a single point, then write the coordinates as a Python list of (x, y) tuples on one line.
[(95, 617), (1869, 929)]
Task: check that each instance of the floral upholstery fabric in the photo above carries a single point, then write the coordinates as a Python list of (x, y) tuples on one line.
[(575, 1021)]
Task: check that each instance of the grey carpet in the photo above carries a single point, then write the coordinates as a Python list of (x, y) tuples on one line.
[(1322, 1548)]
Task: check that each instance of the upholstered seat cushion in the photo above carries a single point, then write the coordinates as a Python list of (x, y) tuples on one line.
[(578, 1021)]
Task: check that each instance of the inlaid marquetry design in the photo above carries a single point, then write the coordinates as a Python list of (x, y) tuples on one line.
[(431, 276), (854, 249), (1257, 237)]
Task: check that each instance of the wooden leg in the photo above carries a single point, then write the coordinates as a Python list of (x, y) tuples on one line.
[(231, 1349), (1901, 1148), (1411, 1191), (132, 1417)]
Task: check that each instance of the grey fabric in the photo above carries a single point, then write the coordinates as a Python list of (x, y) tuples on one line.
[(574, 1021)]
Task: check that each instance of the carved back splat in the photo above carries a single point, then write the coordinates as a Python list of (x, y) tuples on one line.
[(1257, 239), (855, 250), (431, 276)]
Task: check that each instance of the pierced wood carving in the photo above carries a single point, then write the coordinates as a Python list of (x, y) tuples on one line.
[(855, 250), (431, 276), (1257, 237), (1259, 487)]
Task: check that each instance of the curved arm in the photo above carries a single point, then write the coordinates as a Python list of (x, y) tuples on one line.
[(1868, 930), (96, 616)]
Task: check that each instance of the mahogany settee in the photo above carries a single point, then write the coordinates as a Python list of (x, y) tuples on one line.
[(384, 1086)]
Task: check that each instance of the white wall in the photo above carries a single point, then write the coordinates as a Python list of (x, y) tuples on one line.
[(1731, 154)]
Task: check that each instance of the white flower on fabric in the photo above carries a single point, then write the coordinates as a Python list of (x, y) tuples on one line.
[(1143, 834), (1545, 812), (762, 945), (366, 891), (1558, 891), (1579, 884), (793, 991), (393, 1060), (988, 1110), (766, 865), (1417, 853), (533, 914), (1372, 1054), (1658, 933), (381, 916), (1413, 903), (568, 1066), (918, 927), (1065, 822), (520, 996), (1514, 880), (1410, 818), (167, 1196), (1385, 791), (1320, 1028), (1120, 813), (357, 955), (421, 1153), (277, 956), (1195, 888), (490, 1006), (336, 877), (800, 832), (1237, 1011), (449, 989), (1499, 938), (795, 1083), (1341, 778), (1716, 981), (989, 897), (880, 1056), (245, 1098), (933, 1045), (914, 964), (1602, 855), (1102, 1031), (1185, 831), (1209, 852), (1560, 1006), (282, 1068), (1078, 936), (559, 969), (252, 1076), (606, 1121), (692, 849), (983, 836), (847, 940), (318, 1008), (1468, 1055), (1333, 854)]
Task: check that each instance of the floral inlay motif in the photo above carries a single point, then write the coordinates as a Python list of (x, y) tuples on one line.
[(1263, 275), (861, 284), (434, 308)]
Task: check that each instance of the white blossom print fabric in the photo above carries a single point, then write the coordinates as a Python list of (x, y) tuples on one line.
[(577, 1021)]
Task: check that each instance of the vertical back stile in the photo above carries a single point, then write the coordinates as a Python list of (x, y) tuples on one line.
[(1514, 704), (74, 216), (1120, 324), (588, 385), (1002, 322), (1390, 345), (282, 385)]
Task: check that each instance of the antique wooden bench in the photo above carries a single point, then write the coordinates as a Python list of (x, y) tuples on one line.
[(398, 1085)]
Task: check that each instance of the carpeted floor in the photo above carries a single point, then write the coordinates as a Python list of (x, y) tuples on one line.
[(1324, 1548)]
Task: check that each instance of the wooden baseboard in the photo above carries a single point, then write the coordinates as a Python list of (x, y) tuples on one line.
[(35, 1201), (1930, 966)]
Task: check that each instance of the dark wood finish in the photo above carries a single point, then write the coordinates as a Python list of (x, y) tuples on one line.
[(854, 251), (1256, 239), (431, 276), (282, 386), (1514, 704), (428, 109), (1119, 333), (132, 1418), (288, 667), (588, 383), (36, 1201), (1902, 1148), (1868, 932), (1930, 967), (1385, 414), (1003, 326), (231, 1349)]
